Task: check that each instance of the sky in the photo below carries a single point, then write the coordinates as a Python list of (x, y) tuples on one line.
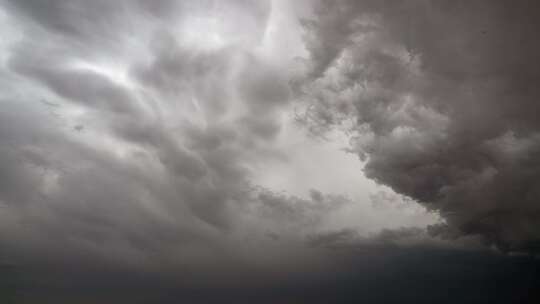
[(272, 151)]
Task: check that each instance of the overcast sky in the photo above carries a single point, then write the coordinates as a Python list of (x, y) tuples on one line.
[(276, 151)]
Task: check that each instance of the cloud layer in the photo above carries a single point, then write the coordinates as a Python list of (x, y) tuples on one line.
[(135, 147), (149, 151)]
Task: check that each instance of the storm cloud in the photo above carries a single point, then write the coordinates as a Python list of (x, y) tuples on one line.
[(440, 98), (139, 160), (193, 151)]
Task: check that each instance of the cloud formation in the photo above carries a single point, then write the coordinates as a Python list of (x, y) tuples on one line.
[(136, 138), (139, 158), (439, 99)]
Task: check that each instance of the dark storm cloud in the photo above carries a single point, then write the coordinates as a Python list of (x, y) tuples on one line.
[(442, 96), (129, 134)]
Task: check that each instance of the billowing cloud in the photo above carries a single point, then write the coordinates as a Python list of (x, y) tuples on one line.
[(439, 99), (149, 152)]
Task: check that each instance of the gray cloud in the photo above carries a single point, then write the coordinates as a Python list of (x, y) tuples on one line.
[(158, 174), (85, 87), (131, 131), (296, 215), (140, 164), (440, 96)]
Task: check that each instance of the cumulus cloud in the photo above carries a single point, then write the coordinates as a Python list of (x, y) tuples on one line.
[(438, 98)]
